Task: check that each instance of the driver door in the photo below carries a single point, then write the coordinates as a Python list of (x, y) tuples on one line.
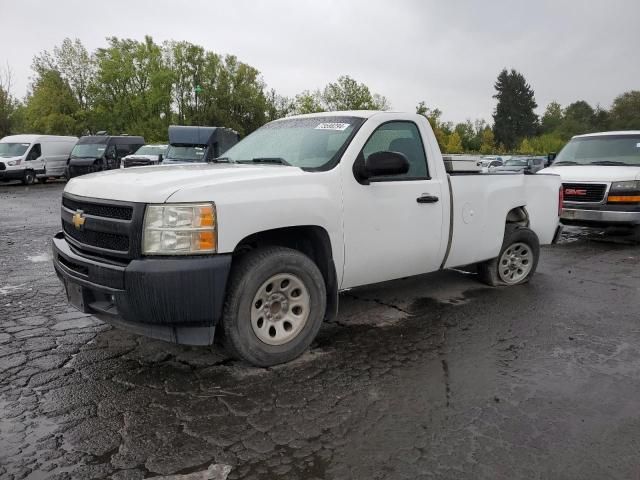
[(34, 159), (393, 225)]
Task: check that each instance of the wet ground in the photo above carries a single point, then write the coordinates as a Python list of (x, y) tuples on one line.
[(430, 377)]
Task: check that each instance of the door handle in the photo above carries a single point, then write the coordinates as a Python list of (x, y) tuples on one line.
[(427, 199)]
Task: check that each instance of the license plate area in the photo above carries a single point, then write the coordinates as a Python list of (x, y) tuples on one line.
[(77, 296)]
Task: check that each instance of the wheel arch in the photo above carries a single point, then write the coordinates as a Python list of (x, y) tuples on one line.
[(518, 216), (311, 240)]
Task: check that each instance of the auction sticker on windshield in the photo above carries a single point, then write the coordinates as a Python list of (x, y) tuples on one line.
[(333, 126)]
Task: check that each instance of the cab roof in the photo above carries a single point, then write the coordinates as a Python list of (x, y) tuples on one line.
[(605, 134)]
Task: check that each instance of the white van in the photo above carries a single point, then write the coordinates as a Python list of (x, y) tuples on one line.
[(601, 179), (25, 157)]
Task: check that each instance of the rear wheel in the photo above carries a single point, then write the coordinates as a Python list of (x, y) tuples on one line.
[(29, 177), (274, 307), (517, 261)]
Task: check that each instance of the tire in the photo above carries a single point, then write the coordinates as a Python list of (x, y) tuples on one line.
[(29, 177), (267, 326), (43, 180), (521, 250)]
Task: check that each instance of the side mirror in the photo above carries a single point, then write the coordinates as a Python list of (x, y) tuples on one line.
[(551, 157), (160, 158), (381, 164)]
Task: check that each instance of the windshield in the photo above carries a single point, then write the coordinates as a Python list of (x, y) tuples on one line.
[(516, 162), (186, 153), (151, 150), (92, 150), (601, 150), (302, 142), (13, 149)]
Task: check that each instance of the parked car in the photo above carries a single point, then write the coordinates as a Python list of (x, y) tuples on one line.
[(258, 244), (490, 164), (145, 155), (522, 164), (94, 153), (198, 144), (601, 179), (27, 157)]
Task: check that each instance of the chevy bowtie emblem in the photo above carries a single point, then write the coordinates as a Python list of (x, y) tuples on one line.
[(78, 220)]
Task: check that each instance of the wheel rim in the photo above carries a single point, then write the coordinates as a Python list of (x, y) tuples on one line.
[(280, 309), (515, 263), (28, 178)]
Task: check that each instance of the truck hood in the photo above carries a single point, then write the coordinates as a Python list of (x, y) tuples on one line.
[(155, 184), (594, 173)]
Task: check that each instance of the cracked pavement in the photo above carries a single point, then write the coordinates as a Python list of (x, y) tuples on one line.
[(431, 377)]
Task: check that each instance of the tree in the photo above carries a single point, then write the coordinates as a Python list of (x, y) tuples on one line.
[(441, 130), (77, 67), (347, 94), (552, 118), (308, 102), (513, 117), (525, 147), (454, 144), (7, 103), (51, 107), (625, 111), (487, 145)]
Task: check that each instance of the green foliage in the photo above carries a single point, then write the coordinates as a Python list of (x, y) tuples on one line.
[(625, 112), (347, 94), (552, 118), (514, 117), (6, 109), (454, 144), (51, 108), (487, 144)]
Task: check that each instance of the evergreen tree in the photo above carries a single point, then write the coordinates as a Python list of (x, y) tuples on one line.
[(513, 118)]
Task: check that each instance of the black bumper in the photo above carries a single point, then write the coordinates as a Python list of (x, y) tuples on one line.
[(173, 299), (11, 174)]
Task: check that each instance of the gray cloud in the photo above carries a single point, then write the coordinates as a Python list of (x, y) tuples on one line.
[(446, 53)]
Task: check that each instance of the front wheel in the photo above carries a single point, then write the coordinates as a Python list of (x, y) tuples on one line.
[(517, 261), (29, 177), (274, 307)]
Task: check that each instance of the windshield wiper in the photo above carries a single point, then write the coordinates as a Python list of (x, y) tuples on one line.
[(278, 160), (608, 162), (566, 162), (221, 160)]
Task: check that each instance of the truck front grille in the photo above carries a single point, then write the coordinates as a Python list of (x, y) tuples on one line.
[(99, 210), (104, 228), (104, 240), (584, 192)]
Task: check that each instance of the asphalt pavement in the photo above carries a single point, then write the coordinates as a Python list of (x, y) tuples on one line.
[(434, 377)]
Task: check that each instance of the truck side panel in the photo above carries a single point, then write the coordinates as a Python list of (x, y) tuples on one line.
[(480, 207)]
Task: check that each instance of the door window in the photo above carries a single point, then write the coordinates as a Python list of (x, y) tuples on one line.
[(402, 137), (35, 152)]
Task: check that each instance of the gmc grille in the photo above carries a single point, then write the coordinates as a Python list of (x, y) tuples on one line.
[(584, 192), (109, 229)]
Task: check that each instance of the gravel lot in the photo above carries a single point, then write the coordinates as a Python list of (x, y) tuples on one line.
[(430, 377)]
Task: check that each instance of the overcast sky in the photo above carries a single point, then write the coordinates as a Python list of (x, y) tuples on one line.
[(447, 53)]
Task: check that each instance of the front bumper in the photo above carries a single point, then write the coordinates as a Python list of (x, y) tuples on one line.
[(173, 299), (600, 218), (11, 174)]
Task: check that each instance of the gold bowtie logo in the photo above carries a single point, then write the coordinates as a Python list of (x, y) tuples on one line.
[(78, 220)]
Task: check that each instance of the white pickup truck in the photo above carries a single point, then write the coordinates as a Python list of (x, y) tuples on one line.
[(259, 243)]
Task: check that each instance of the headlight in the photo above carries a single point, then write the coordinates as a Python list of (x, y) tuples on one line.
[(624, 187), (13, 163), (624, 192), (180, 229)]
